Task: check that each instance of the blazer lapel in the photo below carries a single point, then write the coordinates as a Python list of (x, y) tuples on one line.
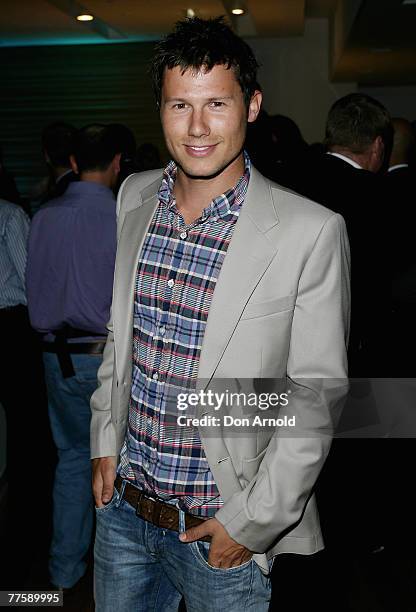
[(248, 257)]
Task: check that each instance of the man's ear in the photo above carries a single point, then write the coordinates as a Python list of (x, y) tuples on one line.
[(378, 150), (378, 144), (254, 106), (74, 164), (116, 163)]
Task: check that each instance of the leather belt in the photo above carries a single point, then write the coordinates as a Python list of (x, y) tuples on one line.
[(155, 511), (76, 348)]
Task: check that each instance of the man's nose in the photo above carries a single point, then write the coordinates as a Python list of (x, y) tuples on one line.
[(198, 126)]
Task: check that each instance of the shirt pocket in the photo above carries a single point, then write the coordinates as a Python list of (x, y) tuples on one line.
[(263, 309)]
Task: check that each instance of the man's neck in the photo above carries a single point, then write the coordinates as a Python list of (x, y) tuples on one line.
[(193, 195), (100, 178)]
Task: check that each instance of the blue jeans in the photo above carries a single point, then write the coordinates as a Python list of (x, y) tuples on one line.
[(139, 567), (73, 508)]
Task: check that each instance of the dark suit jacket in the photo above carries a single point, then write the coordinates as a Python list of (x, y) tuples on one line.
[(358, 196), (400, 188), (355, 485), (400, 184)]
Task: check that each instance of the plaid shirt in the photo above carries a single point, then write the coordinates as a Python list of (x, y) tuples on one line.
[(176, 277)]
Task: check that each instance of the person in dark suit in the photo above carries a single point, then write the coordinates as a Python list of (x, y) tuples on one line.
[(58, 146), (346, 179), (400, 185)]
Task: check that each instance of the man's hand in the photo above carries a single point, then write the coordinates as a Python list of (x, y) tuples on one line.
[(224, 552), (103, 477)]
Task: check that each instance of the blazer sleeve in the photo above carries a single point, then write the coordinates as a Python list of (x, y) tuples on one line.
[(274, 500), (103, 438)]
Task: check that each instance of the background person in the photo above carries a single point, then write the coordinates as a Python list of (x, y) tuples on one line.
[(69, 284)]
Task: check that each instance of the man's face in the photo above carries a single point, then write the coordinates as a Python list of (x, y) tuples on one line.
[(204, 119)]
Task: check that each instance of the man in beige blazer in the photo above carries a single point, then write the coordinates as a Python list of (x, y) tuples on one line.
[(277, 308)]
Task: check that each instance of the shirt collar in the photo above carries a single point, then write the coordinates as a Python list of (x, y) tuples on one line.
[(89, 187), (221, 206), (397, 166), (346, 159), (61, 176)]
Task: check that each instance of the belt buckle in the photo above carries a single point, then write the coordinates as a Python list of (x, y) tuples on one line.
[(150, 514), (157, 511)]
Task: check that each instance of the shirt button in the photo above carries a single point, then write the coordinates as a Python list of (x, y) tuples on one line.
[(171, 282), (162, 331), (183, 235), (155, 376)]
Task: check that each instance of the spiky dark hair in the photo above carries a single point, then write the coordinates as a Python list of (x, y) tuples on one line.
[(204, 43)]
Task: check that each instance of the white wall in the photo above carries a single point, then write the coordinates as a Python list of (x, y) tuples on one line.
[(295, 77), (399, 101)]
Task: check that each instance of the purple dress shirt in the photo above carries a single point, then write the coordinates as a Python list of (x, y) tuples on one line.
[(71, 255)]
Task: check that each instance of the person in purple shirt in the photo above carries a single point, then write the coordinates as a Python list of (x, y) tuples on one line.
[(69, 278)]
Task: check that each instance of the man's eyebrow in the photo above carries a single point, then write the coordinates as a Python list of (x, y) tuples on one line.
[(212, 99), (220, 98)]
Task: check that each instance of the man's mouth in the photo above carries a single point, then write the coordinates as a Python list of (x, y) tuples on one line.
[(199, 150)]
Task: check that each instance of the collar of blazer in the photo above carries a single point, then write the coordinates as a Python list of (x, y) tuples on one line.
[(250, 253)]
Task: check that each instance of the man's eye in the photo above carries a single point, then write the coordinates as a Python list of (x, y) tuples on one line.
[(217, 104), (180, 105)]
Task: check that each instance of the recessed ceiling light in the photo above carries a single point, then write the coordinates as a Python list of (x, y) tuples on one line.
[(237, 7), (85, 17)]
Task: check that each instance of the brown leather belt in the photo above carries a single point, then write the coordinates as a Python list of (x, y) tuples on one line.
[(155, 511)]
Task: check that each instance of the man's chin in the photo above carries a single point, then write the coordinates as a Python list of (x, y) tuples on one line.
[(202, 175), (205, 174)]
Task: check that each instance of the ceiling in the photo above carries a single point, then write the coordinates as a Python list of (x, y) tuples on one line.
[(372, 41), (380, 47)]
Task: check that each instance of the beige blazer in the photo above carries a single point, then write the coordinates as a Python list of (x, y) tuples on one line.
[(280, 310)]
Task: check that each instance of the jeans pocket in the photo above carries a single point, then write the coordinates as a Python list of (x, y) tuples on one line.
[(200, 551), (110, 504)]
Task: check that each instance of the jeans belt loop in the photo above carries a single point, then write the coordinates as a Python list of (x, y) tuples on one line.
[(63, 355), (121, 493), (139, 504)]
